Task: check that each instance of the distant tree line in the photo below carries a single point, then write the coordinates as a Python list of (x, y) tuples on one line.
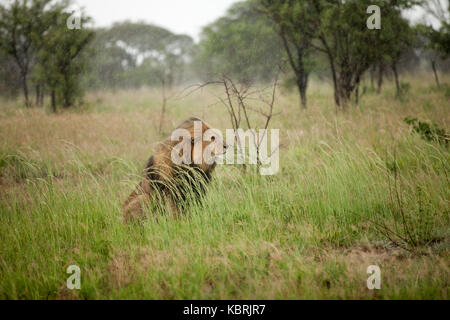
[(38, 49), (136, 54), (325, 35), (329, 38)]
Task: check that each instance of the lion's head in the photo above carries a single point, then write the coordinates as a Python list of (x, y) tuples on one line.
[(195, 143)]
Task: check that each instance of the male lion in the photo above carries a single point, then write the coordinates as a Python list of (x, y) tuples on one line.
[(178, 169)]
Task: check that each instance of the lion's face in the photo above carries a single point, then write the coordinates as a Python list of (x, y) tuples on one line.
[(205, 143)]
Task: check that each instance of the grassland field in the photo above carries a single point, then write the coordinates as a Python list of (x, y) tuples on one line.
[(355, 188)]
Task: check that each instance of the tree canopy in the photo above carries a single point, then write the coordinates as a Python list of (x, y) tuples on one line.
[(242, 44)]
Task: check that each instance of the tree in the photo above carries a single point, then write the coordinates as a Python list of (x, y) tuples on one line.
[(242, 45), (436, 41), (295, 23), (21, 28), (135, 54), (395, 40), (61, 60), (436, 8), (351, 48), (439, 41), (35, 35), (346, 41)]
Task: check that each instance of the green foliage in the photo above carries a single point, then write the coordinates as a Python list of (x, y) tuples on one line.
[(296, 24), (428, 131), (437, 40), (353, 48), (62, 60), (35, 34), (22, 25), (405, 87), (396, 36), (242, 44), (136, 54)]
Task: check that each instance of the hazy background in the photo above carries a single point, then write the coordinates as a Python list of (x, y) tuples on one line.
[(181, 16), (178, 16)]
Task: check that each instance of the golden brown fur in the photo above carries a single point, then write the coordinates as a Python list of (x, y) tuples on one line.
[(165, 180)]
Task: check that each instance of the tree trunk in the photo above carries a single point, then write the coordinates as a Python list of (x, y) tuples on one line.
[(302, 84), (372, 76), (348, 82), (337, 100), (298, 67), (302, 76), (67, 94), (41, 97), (53, 98), (345, 95), (25, 88), (433, 65), (67, 102), (380, 77), (397, 83), (38, 94), (303, 98), (356, 88)]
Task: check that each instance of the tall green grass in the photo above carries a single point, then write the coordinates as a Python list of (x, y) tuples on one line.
[(310, 231)]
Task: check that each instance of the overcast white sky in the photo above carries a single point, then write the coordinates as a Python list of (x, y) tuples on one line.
[(179, 16)]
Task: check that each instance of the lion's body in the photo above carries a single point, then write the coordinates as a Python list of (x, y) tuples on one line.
[(172, 183)]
